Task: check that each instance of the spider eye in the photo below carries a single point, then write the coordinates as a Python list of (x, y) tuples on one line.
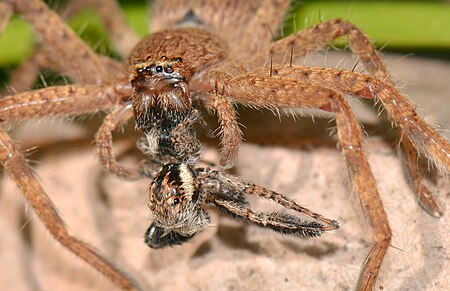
[(148, 70), (168, 69), (159, 69), (176, 200)]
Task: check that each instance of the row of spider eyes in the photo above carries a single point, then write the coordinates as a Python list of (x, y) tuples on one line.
[(156, 69), (159, 69)]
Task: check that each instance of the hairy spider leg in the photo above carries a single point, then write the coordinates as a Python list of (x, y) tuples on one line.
[(310, 40), (234, 203), (52, 101), (104, 143), (320, 88), (15, 165)]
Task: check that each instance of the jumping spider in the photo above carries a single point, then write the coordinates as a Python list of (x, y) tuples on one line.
[(194, 60), (178, 192)]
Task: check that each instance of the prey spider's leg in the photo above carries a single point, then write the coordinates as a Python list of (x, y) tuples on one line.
[(313, 39), (363, 181), (123, 38), (232, 188), (229, 128), (62, 100), (5, 14), (103, 141), (280, 222), (284, 201), (67, 49), (15, 165)]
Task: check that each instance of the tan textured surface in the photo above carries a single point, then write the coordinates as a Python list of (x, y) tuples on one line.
[(111, 214)]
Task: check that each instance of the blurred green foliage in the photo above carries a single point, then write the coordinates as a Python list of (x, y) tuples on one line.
[(396, 25), (399, 25)]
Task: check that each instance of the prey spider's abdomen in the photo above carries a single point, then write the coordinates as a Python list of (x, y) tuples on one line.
[(175, 202)]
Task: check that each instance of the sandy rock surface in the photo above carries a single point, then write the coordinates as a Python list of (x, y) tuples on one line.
[(298, 159)]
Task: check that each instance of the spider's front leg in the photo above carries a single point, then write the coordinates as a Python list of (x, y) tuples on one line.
[(400, 110), (230, 134), (351, 142), (299, 45), (310, 88), (103, 141), (311, 40), (62, 101)]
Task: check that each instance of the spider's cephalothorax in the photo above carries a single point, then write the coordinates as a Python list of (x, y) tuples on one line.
[(162, 102), (163, 109), (175, 204)]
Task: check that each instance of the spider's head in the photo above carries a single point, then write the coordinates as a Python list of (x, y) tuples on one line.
[(176, 206), (160, 82)]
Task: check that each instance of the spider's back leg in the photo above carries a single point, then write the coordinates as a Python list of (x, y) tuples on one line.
[(67, 49), (123, 38)]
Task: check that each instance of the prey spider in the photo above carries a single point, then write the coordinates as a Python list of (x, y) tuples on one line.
[(194, 60)]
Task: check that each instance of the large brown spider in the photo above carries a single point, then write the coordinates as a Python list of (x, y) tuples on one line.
[(176, 71)]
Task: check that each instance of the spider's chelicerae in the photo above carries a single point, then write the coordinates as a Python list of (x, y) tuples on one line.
[(211, 55)]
